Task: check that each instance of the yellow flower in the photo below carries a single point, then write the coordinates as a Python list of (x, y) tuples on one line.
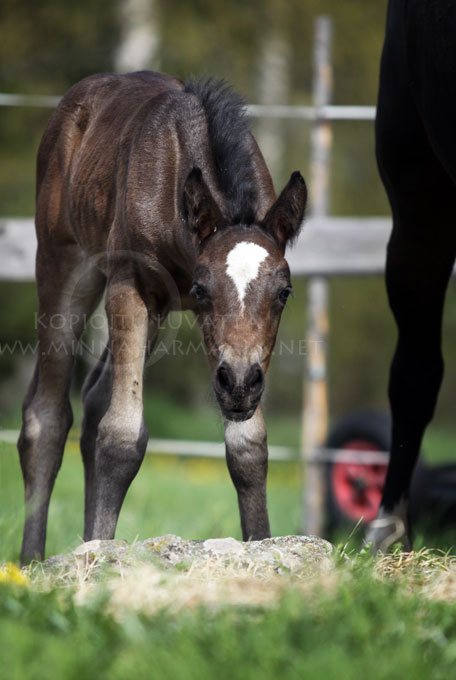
[(11, 573)]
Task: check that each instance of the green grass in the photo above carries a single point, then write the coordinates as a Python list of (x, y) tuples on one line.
[(439, 444), (359, 627)]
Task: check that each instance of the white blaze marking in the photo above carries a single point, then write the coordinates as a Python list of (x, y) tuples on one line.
[(243, 264)]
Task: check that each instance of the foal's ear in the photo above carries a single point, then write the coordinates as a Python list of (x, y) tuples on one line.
[(202, 212), (283, 220)]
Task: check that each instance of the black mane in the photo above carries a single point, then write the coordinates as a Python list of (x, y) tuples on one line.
[(229, 133)]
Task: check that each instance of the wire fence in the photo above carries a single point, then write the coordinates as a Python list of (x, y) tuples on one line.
[(310, 113)]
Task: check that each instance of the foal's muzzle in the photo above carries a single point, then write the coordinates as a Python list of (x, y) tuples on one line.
[(238, 389)]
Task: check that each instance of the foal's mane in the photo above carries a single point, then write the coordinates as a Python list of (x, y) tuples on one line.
[(231, 144)]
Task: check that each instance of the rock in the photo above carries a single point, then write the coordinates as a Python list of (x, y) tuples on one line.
[(86, 547), (223, 546), (295, 556)]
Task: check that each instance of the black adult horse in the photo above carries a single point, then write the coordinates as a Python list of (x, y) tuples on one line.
[(416, 152), (157, 192)]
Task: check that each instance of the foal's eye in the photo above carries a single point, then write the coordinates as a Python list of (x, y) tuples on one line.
[(284, 293), (198, 292)]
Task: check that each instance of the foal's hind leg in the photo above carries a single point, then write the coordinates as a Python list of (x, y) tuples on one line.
[(96, 396), (114, 436), (47, 415)]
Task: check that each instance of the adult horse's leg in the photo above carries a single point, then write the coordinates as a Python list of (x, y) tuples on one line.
[(114, 436), (247, 459), (420, 258), (64, 303), (416, 278)]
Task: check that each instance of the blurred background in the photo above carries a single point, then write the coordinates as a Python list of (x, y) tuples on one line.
[(265, 50)]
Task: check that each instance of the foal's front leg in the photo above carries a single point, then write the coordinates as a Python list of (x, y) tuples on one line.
[(122, 435), (247, 459)]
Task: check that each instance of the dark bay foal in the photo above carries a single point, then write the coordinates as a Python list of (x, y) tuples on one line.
[(156, 192)]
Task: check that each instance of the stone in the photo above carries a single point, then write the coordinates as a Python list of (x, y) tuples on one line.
[(298, 556)]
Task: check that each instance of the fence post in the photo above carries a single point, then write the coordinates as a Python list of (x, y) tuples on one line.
[(315, 398)]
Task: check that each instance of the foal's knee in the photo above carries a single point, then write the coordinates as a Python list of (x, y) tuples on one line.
[(246, 451), (121, 443), (42, 419), (44, 430)]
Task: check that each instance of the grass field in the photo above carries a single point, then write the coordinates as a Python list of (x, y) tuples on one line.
[(358, 621), (385, 623)]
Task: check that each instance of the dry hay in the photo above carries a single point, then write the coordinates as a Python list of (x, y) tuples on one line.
[(430, 573)]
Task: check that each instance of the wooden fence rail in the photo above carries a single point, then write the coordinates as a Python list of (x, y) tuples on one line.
[(327, 246)]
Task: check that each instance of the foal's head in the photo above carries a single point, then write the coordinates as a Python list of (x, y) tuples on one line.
[(241, 284)]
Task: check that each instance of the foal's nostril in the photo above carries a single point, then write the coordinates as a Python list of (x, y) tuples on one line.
[(254, 379), (225, 378)]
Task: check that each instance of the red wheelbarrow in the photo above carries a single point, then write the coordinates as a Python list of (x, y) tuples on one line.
[(357, 471)]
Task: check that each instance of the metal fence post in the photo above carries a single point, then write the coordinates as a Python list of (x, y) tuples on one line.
[(315, 398)]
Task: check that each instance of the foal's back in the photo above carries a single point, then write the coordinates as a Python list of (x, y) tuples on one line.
[(84, 152)]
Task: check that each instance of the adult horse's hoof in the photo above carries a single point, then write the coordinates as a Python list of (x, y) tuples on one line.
[(384, 532)]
